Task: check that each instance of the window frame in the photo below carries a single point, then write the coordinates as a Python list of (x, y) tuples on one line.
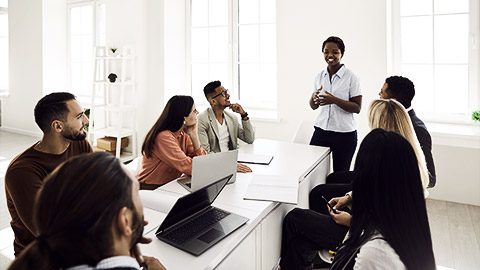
[(95, 39), (260, 112), (395, 61)]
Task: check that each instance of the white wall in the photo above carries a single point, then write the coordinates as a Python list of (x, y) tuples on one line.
[(54, 46), (25, 66), (302, 26)]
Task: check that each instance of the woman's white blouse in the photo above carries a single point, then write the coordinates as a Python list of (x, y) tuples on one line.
[(345, 85)]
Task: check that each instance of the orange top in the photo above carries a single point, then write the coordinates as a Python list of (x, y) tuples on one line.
[(171, 156)]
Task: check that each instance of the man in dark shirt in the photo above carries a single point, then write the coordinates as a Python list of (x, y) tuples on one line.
[(62, 121), (403, 90)]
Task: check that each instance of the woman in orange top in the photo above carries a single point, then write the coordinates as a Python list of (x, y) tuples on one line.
[(170, 144)]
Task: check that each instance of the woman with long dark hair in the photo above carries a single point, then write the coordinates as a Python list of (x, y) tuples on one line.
[(388, 222), (170, 144)]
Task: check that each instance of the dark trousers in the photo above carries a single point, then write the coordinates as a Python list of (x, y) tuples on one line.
[(307, 231), (345, 177), (342, 145)]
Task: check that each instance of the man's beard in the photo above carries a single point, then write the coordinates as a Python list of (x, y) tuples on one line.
[(73, 135), (137, 228)]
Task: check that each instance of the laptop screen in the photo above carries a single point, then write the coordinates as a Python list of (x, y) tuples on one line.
[(194, 202)]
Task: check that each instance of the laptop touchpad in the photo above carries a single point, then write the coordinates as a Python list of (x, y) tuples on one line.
[(210, 235)]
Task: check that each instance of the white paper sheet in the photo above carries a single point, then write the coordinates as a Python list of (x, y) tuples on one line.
[(158, 201), (276, 188)]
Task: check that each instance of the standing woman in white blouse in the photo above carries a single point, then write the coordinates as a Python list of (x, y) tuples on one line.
[(337, 91)]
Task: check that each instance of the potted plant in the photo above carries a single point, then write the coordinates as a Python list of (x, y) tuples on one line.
[(476, 116), (114, 51)]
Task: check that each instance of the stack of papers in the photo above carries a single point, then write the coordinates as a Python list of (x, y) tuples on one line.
[(276, 188)]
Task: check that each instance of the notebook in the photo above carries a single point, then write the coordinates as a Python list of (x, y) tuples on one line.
[(194, 225), (255, 159), (209, 167)]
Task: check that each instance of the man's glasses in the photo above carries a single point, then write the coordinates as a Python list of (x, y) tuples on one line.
[(224, 93)]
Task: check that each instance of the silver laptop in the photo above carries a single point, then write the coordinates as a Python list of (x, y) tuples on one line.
[(206, 168), (194, 225)]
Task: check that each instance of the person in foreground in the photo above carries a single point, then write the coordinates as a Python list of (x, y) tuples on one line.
[(62, 121), (170, 144), (88, 215), (219, 130), (388, 220)]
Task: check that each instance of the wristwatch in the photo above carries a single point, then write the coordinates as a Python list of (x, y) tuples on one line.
[(244, 115)]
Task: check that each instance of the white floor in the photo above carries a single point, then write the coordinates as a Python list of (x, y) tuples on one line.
[(455, 227)]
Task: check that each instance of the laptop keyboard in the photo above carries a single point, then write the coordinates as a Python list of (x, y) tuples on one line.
[(185, 232)]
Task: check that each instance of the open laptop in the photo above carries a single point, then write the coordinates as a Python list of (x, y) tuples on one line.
[(208, 167), (194, 225)]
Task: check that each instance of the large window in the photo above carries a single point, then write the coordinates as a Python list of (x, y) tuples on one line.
[(3, 47), (86, 30), (235, 42), (436, 46)]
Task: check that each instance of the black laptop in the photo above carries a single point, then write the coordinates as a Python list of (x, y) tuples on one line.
[(194, 225)]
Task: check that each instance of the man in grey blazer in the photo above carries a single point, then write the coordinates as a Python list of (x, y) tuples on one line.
[(219, 130)]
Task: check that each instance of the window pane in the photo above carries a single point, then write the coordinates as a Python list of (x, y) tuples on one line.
[(218, 72), (199, 44), (3, 25), (75, 46), (87, 48), (268, 48), (199, 13), (75, 21), (248, 11), (417, 40), (75, 76), (268, 85), (101, 25), (3, 63), (451, 39), (218, 12), (268, 11), (451, 88), (249, 79), (416, 7), (422, 78), (450, 6), (86, 20), (218, 41), (248, 43), (3, 3), (199, 79)]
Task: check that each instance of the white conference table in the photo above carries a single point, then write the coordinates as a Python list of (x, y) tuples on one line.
[(255, 245)]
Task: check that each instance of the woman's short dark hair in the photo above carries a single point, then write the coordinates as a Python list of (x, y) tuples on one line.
[(388, 199), (210, 88), (171, 119), (337, 41), (51, 107), (74, 212)]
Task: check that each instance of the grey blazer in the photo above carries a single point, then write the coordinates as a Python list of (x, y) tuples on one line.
[(208, 131)]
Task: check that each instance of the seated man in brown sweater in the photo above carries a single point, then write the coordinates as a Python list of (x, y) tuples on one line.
[(61, 119)]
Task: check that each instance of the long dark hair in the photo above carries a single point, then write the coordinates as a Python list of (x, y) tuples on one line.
[(74, 212), (388, 199), (171, 119)]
